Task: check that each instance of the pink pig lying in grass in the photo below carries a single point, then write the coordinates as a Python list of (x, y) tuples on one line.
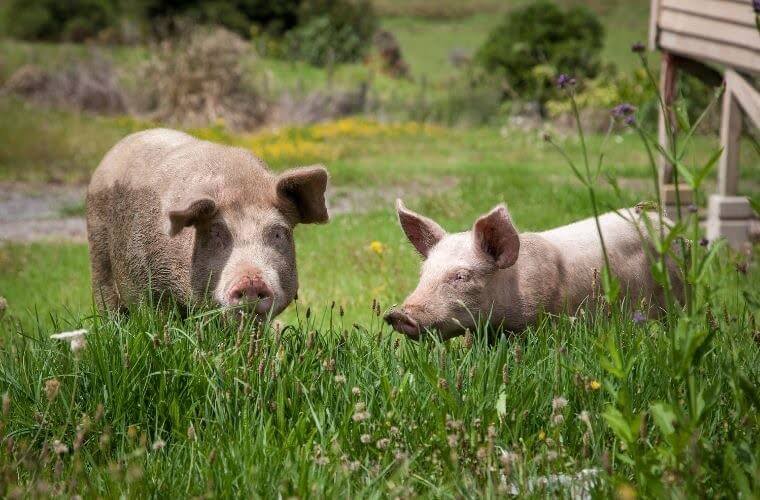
[(494, 272)]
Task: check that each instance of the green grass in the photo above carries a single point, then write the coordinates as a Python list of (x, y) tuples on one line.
[(188, 407)]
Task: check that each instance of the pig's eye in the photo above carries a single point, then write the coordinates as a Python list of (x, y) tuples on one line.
[(279, 234), (462, 276)]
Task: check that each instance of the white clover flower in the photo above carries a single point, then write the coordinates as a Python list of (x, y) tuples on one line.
[(59, 448), (75, 339), (558, 403)]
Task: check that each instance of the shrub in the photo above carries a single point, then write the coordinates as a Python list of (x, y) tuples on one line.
[(332, 31), (237, 15), (73, 20), (539, 41), (84, 85), (197, 79)]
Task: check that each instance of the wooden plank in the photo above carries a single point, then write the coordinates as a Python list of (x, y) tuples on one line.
[(712, 29), (654, 14), (730, 132), (700, 48), (725, 11), (746, 95)]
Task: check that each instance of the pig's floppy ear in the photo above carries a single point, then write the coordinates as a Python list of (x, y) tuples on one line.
[(497, 237), (192, 213), (305, 188), (423, 233)]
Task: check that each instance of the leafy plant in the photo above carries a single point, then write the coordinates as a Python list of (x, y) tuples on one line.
[(539, 41), (332, 32)]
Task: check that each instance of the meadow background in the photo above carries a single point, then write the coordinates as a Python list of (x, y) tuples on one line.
[(336, 403)]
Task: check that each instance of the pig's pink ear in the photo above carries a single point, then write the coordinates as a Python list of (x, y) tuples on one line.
[(305, 188), (497, 237), (422, 232), (192, 213)]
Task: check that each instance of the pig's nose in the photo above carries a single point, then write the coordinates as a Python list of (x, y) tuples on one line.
[(254, 290), (403, 323)]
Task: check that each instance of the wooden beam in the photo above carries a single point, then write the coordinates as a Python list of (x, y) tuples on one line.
[(730, 133), (654, 14), (745, 94), (668, 77), (694, 47)]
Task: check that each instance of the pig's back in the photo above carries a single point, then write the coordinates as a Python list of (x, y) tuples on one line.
[(582, 238), (582, 256), (136, 159)]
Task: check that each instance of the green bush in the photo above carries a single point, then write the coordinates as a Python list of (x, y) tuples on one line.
[(537, 42), (321, 32), (236, 15), (72, 20), (332, 31)]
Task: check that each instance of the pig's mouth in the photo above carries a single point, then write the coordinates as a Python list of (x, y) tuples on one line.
[(403, 323)]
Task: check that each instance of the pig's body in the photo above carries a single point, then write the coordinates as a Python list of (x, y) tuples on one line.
[(187, 218), (493, 272), (555, 270)]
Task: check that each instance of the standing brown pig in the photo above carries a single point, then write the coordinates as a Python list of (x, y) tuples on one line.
[(493, 272), (196, 221)]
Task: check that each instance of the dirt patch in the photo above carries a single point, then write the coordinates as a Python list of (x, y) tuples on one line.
[(41, 212)]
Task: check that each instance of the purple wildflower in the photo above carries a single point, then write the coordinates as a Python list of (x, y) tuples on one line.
[(626, 112), (564, 81), (638, 47), (639, 318), (703, 242), (756, 6), (623, 110)]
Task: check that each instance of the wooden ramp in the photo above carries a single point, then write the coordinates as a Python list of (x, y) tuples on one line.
[(705, 37)]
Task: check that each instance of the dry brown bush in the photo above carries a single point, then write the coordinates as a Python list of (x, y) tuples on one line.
[(319, 105), (197, 79), (87, 85)]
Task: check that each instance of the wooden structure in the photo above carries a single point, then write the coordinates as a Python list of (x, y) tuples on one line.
[(698, 36)]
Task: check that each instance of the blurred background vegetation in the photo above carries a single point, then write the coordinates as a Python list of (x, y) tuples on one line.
[(193, 63)]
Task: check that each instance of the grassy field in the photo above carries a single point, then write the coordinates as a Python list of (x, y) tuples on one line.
[(334, 403)]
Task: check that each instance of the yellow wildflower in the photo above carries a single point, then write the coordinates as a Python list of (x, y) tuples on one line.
[(541, 435), (377, 247), (595, 385)]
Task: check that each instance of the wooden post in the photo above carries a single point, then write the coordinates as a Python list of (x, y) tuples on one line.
[(730, 216), (668, 75), (730, 132)]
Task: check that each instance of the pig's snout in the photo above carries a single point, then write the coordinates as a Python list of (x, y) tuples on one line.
[(252, 289), (403, 323)]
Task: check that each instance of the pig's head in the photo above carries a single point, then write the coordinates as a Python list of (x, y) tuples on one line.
[(458, 272), (242, 235)]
